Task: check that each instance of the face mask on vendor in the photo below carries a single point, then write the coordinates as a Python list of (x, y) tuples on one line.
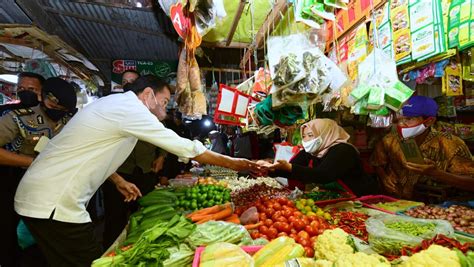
[(312, 146), (310, 143), (412, 127), (157, 106)]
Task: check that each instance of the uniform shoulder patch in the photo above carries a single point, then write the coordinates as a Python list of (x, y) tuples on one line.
[(23, 111)]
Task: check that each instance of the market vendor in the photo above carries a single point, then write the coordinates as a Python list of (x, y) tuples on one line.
[(447, 157), (327, 157), (54, 192)]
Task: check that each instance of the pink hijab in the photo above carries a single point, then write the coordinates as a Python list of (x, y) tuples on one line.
[(331, 134)]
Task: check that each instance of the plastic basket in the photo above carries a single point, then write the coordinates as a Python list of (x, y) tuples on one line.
[(368, 201), (349, 196), (182, 182), (249, 249)]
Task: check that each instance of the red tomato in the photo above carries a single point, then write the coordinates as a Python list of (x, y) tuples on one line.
[(303, 234), (282, 201), (277, 225), (292, 219), (255, 234), (311, 230), (263, 229), (293, 230), (294, 236), (290, 204), (260, 207), (298, 224), (277, 206), (320, 231), (309, 252), (270, 212), (297, 214), (313, 218), (272, 232), (303, 242), (282, 234), (268, 222), (265, 236), (276, 215), (314, 224), (285, 227), (306, 220), (287, 213), (262, 216), (269, 205), (313, 239), (282, 219)]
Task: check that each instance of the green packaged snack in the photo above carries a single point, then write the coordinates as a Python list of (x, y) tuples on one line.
[(376, 98), (383, 111), (397, 95), (360, 108), (360, 91)]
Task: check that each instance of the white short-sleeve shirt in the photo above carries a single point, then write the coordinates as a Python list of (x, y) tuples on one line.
[(94, 143)]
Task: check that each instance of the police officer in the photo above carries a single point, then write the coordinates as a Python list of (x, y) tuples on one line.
[(20, 131), (28, 91)]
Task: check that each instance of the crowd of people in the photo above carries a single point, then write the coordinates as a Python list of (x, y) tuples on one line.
[(54, 158)]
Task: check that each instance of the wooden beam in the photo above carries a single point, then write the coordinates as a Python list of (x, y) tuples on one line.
[(226, 70), (12, 56), (35, 11), (268, 26), (104, 22), (235, 23), (17, 41), (147, 6), (235, 45)]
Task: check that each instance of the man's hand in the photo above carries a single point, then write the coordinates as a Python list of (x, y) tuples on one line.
[(244, 165), (425, 169), (129, 191), (158, 164)]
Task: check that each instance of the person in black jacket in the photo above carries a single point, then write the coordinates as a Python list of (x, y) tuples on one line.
[(327, 157)]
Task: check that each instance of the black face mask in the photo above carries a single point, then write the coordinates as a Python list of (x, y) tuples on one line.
[(54, 114), (28, 98)]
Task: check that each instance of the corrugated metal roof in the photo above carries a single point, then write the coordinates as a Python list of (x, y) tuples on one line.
[(10, 12), (103, 42), (104, 33)]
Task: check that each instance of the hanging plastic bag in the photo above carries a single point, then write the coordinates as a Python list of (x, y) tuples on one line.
[(194, 75), (250, 216), (390, 233), (263, 82), (182, 78), (207, 14)]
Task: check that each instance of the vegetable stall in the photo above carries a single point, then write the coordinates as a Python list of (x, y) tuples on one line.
[(222, 225), (353, 58)]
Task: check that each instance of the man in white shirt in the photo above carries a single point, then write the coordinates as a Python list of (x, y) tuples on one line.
[(54, 192)]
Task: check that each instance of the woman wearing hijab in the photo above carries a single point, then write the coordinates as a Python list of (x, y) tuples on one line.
[(327, 157)]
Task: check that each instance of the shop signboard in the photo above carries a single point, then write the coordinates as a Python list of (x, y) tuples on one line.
[(161, 69)]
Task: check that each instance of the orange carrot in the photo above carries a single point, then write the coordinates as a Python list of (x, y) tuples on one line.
[(203, 213), (252, 226), (234, 218), (217, 216)]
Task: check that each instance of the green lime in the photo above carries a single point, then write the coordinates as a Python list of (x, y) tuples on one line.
[(211, 203), (194, 196)]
